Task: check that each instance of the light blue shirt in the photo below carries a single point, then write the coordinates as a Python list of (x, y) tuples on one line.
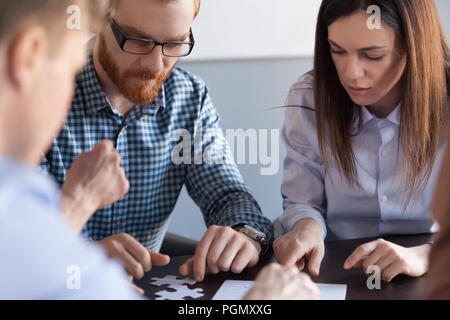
[(375, 206), (40, 256)]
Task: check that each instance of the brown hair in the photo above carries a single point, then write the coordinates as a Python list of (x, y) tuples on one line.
[(424, 102), (196, 2), (17, 15)]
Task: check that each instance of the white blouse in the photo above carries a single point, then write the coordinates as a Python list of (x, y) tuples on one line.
[(371, 208)]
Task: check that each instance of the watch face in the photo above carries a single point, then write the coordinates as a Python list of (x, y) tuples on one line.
[(256, 232), (249, 233), (253, 233)]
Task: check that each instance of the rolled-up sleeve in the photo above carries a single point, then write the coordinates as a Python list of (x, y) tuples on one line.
[(302, 188)]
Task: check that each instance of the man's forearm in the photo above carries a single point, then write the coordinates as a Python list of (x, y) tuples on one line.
[(75, 210)]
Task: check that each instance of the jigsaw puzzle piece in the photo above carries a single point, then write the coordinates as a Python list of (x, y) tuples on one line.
[(181, 293), (171, 281)]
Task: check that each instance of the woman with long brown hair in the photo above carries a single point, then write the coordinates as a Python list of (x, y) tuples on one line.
[(364, 142)]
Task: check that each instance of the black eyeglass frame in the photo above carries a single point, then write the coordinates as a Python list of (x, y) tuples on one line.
[(122, 39)]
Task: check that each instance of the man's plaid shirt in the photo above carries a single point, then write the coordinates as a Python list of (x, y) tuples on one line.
[(145, 140)]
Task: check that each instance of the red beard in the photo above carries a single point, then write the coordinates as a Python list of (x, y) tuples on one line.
[(140, 87)]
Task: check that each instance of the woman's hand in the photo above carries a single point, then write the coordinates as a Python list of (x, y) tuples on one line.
[(305, 240), (392, 259)]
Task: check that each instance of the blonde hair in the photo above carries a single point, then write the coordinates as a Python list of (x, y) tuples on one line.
[(115, 3), (52, 15)]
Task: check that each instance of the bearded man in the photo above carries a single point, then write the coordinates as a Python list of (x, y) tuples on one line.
[(132, 93)]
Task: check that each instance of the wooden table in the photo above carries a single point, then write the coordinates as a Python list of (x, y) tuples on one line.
[(332, 271)]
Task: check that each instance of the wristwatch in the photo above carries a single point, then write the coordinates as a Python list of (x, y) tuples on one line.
[(252, 233)]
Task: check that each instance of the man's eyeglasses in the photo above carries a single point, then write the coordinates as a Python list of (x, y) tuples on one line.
[(142, 46)]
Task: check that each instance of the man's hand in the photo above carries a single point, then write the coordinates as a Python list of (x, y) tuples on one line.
[(94, 181), (392, 259), (276, 282), (305, 240), (134, 256), (222, 249)]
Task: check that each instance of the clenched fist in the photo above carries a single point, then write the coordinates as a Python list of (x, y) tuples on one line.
[(94, 181)]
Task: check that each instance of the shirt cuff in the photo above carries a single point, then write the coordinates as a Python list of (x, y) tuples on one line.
[(292, 215)]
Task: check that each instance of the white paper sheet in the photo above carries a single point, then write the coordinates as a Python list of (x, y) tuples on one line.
[(332, 291), (233, 290), (236, 290)]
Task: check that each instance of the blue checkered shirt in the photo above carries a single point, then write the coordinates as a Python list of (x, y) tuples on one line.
[(146, 141)]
